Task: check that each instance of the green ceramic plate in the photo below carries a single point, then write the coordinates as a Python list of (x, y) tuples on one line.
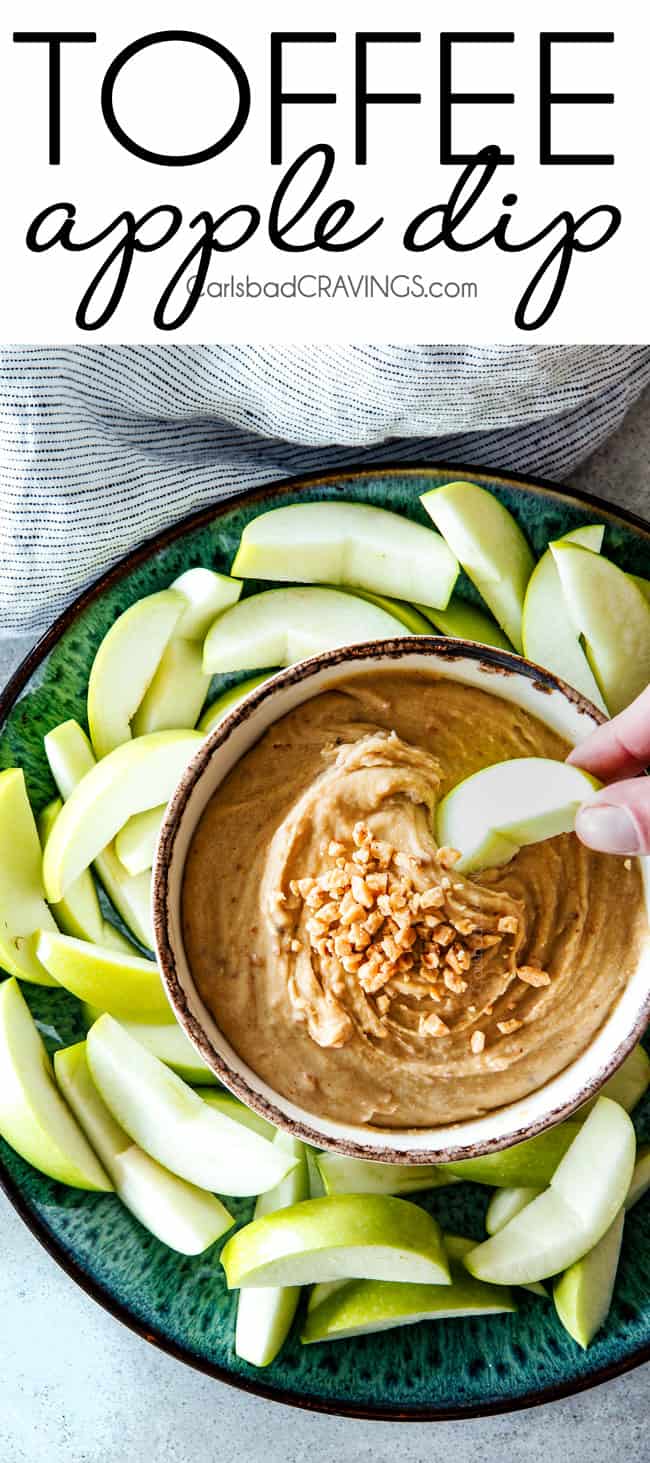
[(449, 1369)]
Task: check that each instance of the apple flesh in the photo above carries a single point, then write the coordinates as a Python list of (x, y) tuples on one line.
[(224, 1102), (79, 912), (265, 1316), (70, 756), (125, 665), (281, 626), (640, 1182), (34, 1119), (367, 1236), (136, 842), (583, 1294), (488, 817), (139, 775), (177, 691), (586, 1191), (23, 909), (227, 701), (167, 1041), (628, 1085), (206, 594), (412, 619), (550, 637), (173, 1123), (505, 1204), (612, 616), (178, 1214), (463, 621), (350, 544), (490, 545), (342, 1175), (122, 984)]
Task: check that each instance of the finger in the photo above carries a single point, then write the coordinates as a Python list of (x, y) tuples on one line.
[(617, 819), (621, 747)]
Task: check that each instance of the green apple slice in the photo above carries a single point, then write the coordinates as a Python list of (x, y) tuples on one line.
[(583, 1295), (265, 1316), (584, 1196), (177, 692), (641, 1177), (612, 616), (642, 584), (79, 913), (122, 984), (135, 844), (173, 1123), (70, 756), (549, 635), (530, 1164), (167, 1041), (125, 665), (361, 1307), (500, 809), (505, 1204), (139, 775), (490, 545), (281, 626), (224, 1102), (411, 618), (342, 1175), (227, 701), (207, 594), (367, 1236), (628, 1085), (22, 897), (463, 621), (34, 1119), (180, 1215), (351, 544), (316, 1185)]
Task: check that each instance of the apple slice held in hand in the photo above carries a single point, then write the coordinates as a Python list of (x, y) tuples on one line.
[(281, 626), (583, 1294), (612, 616), (183, 1217), (488, 817), (265, 1315), (173, 1123), (122, 984), (34, 1119), (141, 774), (22, 896), (490, 545), (584, 1196), (352, 544), (125, 665), (70, 756), (366, 1236), (550, 637)]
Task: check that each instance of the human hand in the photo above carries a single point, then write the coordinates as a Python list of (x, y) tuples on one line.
[(617, 820)]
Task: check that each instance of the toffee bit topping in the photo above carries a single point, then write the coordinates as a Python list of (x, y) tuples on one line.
[(507, 1027), (508, 924), (533, 975), (477, 1042)]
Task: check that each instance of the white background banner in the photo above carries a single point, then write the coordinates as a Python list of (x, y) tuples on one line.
[(279, 254)]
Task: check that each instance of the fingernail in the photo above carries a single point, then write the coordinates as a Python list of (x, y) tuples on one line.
[(608, 827)]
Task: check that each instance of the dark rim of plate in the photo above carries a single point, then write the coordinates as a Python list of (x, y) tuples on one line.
[(9, 696)]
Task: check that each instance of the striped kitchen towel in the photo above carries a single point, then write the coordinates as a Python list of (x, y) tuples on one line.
[(101, 446)]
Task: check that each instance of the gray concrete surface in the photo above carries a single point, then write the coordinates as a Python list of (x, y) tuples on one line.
[(77, 1387)]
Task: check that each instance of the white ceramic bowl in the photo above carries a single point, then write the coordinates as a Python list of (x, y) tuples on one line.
[(504, 675)]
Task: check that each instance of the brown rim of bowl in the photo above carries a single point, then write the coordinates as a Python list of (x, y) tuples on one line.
[(495, 662), (34, 1222)]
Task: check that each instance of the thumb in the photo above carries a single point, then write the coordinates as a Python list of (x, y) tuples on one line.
[(617, 819)]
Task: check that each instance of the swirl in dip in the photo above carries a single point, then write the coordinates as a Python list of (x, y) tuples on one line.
[(341, 955)]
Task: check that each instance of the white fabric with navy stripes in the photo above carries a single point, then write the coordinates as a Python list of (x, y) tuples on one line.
[(102, 446)]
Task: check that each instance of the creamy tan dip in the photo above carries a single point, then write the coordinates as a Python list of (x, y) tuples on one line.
[(342, 956)]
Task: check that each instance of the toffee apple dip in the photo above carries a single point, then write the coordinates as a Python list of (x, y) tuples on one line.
[(343, 957)]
